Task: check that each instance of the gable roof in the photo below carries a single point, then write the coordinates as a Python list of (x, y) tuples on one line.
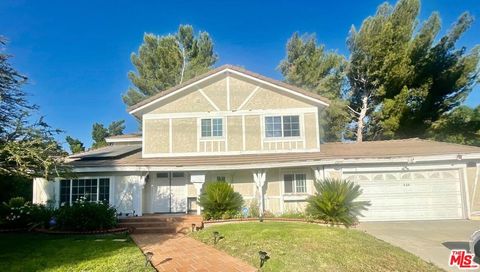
[(234, 69)]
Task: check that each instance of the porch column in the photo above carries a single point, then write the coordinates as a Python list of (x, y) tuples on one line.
[(318, 172), (198, 179), (138, 185), (259, 177)]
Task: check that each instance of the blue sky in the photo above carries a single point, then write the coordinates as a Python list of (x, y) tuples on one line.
[(77, 53)]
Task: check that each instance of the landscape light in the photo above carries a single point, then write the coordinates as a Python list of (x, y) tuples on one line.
[(263, 257)]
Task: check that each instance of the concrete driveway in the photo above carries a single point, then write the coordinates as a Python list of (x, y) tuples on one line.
[(430, 240)]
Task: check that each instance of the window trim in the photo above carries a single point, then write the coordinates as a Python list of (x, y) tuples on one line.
[(211, 128), (294, 183), (98, 178), (283, 138)]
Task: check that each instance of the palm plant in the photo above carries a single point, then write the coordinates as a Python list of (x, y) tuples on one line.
[(219, 199), (334, 202)]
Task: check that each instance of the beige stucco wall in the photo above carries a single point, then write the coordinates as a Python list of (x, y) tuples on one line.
[(241, 90), (266, 98), (156, 136), (311, 133), (217, 92), (253, 95), (184, 132), (474, 196), (235, 133), (194, 101), (253, 133)]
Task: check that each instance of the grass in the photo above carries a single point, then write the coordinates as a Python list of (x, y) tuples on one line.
[(310, 247), (41, 252)]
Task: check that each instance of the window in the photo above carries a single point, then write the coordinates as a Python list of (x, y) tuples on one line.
[(291, 126), (84, 187), (273, 126), (93, 189), (282, 126), (221, 178), (295, 183), (104, 190), (65, 191), (212, 127), (178, 174)]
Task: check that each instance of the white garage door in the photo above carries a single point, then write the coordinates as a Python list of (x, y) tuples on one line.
[(421, 195)]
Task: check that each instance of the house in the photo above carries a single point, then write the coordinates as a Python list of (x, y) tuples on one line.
[(263, 137)]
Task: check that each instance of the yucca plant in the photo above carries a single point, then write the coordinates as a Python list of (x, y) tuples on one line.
[(334, 202), (219, 198)]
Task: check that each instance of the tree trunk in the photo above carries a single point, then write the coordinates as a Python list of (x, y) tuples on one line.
[(361, 117), (183, 65)]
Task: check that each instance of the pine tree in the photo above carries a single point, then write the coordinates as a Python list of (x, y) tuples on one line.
[(165, 61), (76, 146), (309, 66)]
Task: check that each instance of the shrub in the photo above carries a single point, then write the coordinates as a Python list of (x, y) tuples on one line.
[(84, 215), (253, 208), (293, 215), (20, 214), (335, 202), (219, 198)]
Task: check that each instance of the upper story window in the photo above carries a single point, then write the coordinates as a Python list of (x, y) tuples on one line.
[(282, 126), (295, 183), (212, 127)]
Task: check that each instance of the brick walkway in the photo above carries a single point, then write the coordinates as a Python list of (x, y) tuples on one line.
[(182, 253)]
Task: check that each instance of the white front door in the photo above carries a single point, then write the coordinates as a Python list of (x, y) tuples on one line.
[(169, 192), (410, 195)]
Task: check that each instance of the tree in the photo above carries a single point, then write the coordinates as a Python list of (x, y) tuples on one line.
[(100, 132), (400, 81), (461, 126), (116, 128), (378, 59), (76, 146), (309, 66), (26, 149), (165, 61), (442, 78)]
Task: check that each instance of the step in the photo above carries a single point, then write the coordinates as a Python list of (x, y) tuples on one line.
[(161, 219), (145, 224), (154, 230)]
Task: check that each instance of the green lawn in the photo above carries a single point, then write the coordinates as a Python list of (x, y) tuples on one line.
[(40, 252), (310, 247)]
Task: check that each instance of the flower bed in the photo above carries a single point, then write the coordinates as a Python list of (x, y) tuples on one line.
[(271, 219)]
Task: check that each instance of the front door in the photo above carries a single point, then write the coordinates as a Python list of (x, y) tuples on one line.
[(169, 192)]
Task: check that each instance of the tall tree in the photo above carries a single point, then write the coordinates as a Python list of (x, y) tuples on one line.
[(442, 78), (401, 81), (378, 59), (461, 126), (76, 146), (26, 149), (100, 132), (165, 61), (308, 65)]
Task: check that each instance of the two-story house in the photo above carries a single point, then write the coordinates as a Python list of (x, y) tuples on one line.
[(262, 136)]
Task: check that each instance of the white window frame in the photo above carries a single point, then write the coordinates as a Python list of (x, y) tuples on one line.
[(283, 137), (211, 128), (294, 183), (98, 187)]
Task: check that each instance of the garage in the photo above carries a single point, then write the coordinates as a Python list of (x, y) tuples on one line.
[(410, 195)]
